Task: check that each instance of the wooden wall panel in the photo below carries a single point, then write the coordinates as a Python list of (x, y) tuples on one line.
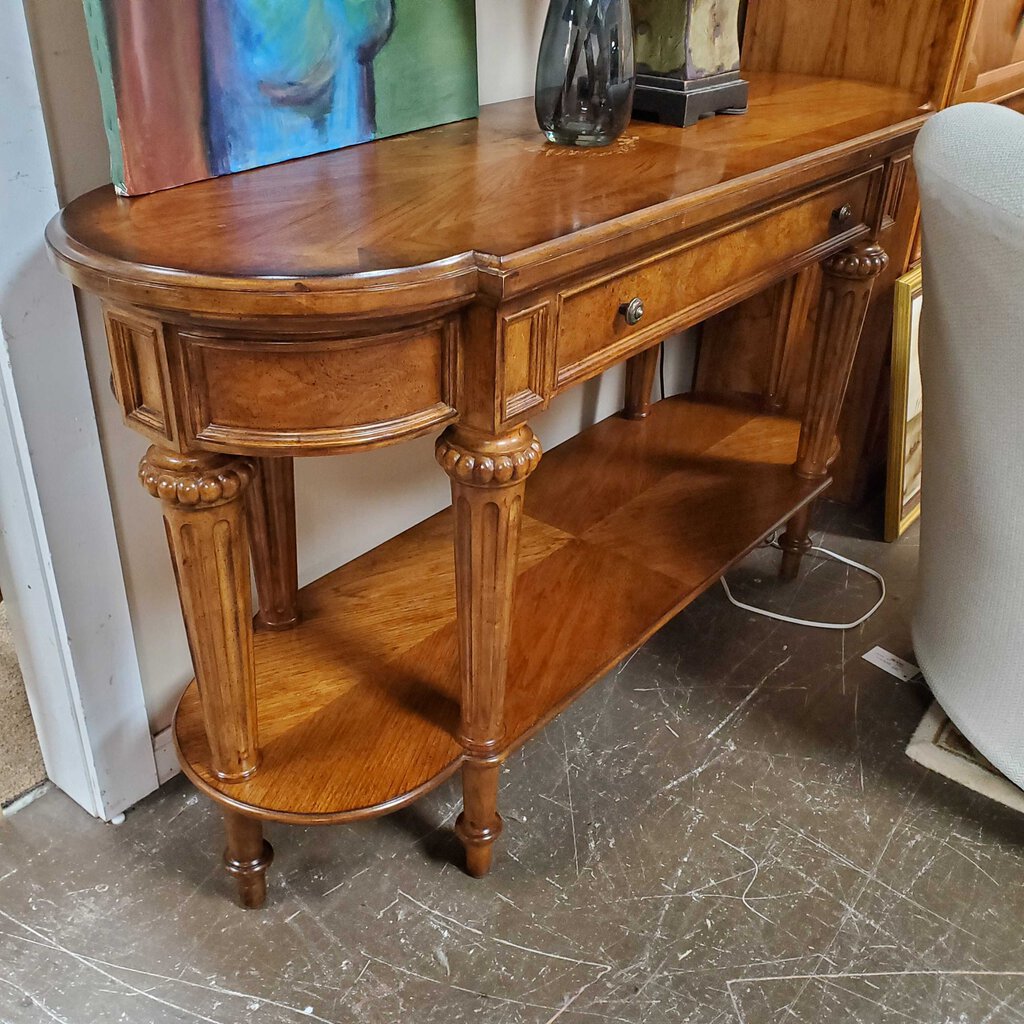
[(911, 44), (998, 39), (992, 65)]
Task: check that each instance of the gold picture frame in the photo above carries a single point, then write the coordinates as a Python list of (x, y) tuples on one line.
[(903, 486)]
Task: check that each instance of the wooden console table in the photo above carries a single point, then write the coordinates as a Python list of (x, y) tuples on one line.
[(456, 280)]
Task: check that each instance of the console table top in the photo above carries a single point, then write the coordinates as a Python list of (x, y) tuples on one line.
[(380, 216)]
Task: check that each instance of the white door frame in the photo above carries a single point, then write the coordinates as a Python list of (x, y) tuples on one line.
[(60, 569)]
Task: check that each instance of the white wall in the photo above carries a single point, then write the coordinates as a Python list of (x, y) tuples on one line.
[(346, 505), (58, 547)]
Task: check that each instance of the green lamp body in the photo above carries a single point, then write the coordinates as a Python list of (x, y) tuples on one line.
[(688, 59)]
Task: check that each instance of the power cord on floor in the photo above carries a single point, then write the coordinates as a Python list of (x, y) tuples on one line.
[(779, 617)]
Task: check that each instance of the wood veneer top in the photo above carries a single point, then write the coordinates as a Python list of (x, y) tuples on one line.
[(484, 195)]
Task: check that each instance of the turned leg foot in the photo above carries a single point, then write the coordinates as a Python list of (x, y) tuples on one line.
[(479, 824), (795, 543), (247, 857)]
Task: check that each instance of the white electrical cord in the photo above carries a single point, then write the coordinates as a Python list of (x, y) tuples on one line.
[(806, 622)]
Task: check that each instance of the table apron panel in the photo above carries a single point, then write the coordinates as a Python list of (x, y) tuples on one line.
[(312, 396), (685, 285)]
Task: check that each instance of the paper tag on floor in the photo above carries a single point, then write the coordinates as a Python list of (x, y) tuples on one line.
[(895, 666)]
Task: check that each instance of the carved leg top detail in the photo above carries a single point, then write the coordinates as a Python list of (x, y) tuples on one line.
[(861, 260), (477, 459), (199, 480)]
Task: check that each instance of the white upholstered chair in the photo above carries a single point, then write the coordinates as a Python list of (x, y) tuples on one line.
[(968, 624)]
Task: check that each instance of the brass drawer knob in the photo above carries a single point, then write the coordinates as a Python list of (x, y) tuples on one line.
[(633, 311), (844, 215)]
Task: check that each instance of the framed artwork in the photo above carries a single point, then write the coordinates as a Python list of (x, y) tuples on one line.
[(903, 489), (193, 89)]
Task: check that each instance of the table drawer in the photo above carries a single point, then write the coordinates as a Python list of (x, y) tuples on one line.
[(598, 326)]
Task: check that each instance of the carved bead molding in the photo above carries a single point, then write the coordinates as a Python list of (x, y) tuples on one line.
[(859, 262), (479, 460), (195, 481)]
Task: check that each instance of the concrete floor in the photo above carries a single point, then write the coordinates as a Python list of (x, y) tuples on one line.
[(724, 830)]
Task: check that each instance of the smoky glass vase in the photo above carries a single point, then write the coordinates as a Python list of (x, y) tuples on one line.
[(586, 72)]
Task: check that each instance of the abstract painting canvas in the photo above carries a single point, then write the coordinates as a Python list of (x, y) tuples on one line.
[(193, 89)]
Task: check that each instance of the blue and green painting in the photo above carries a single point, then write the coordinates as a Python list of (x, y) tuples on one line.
[(193, 89)]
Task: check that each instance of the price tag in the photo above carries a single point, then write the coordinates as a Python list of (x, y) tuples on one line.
[(895, 666)]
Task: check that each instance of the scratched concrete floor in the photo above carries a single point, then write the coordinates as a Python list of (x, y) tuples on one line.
[(724, 830)]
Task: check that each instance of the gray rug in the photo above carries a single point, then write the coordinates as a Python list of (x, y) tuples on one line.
[(21, 764)]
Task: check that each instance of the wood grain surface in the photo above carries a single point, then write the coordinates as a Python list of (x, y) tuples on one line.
[(462, 278), (346, 231), (623, 526)]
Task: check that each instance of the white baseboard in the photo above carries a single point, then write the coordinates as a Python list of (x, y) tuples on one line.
[(27, 798), (166, 759)]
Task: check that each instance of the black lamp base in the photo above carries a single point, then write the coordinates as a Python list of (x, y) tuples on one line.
[(673, 101)]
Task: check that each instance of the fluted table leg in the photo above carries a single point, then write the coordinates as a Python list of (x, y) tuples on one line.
[(271, 508), (488, 476), (789, 318), (202, 496), (848, 278), (640, 371)]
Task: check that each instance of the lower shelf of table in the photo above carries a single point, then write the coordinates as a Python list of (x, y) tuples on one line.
[(625, 525)]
